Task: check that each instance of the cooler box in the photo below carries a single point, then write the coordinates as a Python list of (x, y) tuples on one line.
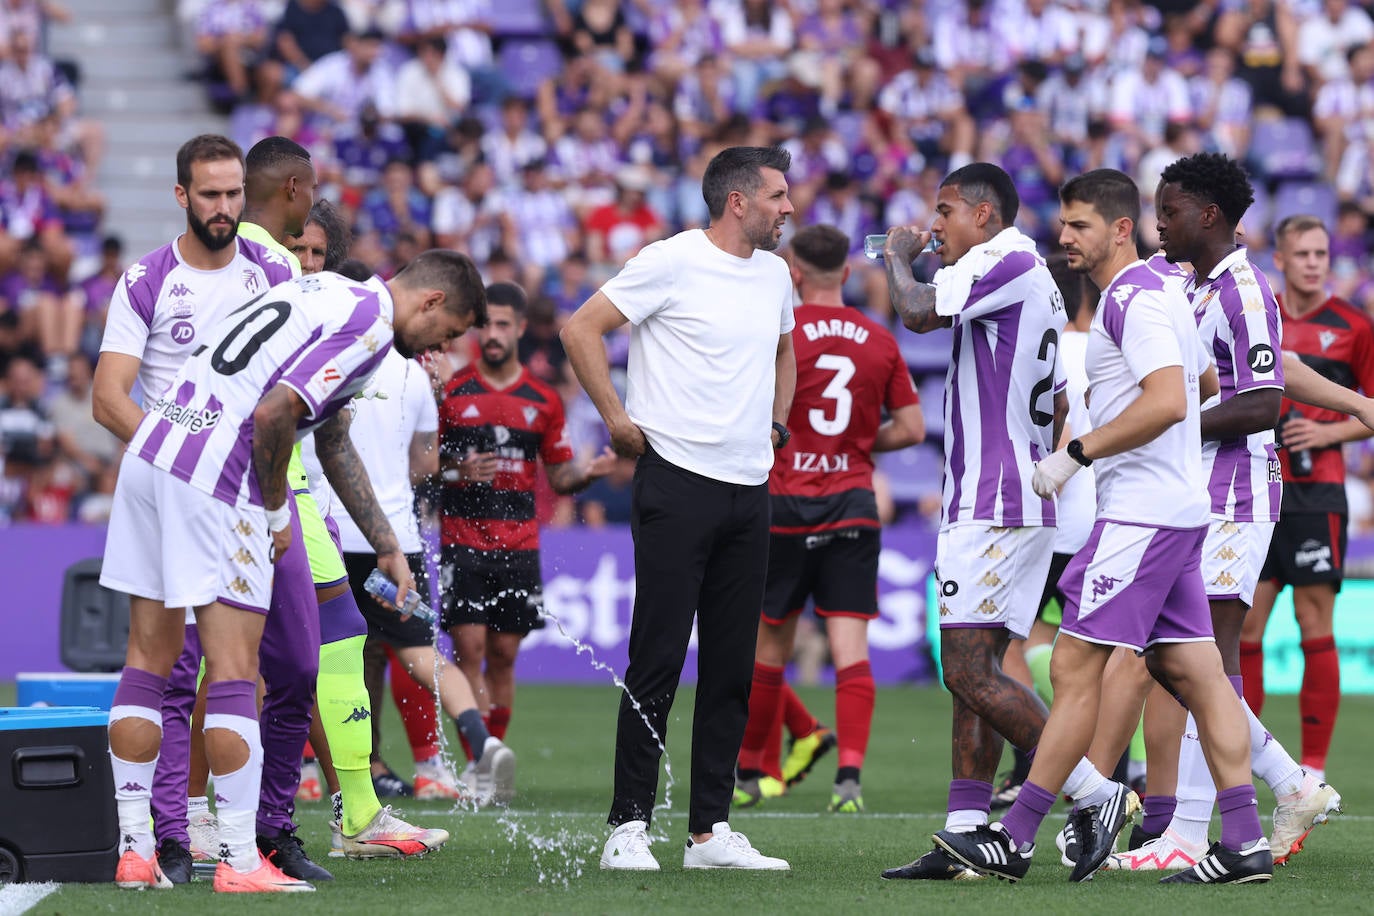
[(63, 688), (56, 795)]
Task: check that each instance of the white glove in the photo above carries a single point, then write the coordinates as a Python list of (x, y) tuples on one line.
[(1052, 473)]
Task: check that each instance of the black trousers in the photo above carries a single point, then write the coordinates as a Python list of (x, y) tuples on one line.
[(701, 549)]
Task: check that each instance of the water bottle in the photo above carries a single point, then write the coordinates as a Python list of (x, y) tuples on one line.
[(1299, 460), (379, 586), (874, 244)]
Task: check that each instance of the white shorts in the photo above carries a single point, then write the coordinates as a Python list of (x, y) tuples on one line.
[(173, 543), (1232, 557), (992, 577)]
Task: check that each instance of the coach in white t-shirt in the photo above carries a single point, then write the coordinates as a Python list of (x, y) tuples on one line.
[(710, 382)]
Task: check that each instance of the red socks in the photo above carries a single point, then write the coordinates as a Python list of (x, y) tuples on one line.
[(1252, 670), (1319, 699), (798, 718), (765, 711), (854, 694), (417, 711), (498, 720)]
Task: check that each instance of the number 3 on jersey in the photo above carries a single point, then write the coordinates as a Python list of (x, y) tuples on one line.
[(836, 391)]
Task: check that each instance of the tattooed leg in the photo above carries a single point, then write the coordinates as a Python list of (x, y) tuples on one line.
[(972, 662), (976, 748)]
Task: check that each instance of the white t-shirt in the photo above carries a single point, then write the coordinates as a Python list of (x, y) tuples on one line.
[(703, 352), (382, 431), (1144, 324), (1077, 502)]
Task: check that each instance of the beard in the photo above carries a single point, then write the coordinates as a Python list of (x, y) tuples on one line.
[(762, 236), (206, 234), (500, 359)]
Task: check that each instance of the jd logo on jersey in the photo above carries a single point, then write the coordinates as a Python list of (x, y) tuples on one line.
[(1261, 358), (183, 332)]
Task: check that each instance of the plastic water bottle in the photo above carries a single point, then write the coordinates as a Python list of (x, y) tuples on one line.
[(1299, 460), (874, 244), (379, 586)]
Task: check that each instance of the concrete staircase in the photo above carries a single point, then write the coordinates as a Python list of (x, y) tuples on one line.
[(133, 64)]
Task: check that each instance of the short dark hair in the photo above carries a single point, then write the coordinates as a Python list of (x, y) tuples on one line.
[(822, 247), (1298, 223), (980, 182), (455, 274), (354, 270), (1111, 193), (737, 168), (1213, 178), (509, 294), (204, 148), (274, 151), (338, 238), (26, 160)]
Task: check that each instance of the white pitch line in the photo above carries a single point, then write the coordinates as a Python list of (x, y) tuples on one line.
[(16, 898)]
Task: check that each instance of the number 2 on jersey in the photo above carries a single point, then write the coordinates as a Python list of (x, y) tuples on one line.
[(1049, 350), (836, 391)]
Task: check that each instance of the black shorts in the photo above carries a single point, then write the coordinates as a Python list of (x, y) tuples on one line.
[(384, 623), (502, 589), (838, 569), (1058, 563), (1307, 549)]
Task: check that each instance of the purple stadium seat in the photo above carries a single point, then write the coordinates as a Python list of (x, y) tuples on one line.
[(528, 62), (926, 352), (1259, 219), (932, 391), (1283, 148), (517, 17), (912, 472), (1314, 197)]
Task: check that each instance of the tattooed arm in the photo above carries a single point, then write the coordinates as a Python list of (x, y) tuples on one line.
[(346, 474), (274, 434), (912, 300)]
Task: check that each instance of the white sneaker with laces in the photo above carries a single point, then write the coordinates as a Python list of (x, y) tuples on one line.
[(628, 849), (202, 829), (495, 774), (336, 850), (1294, 820), (728, 849), (1169, 852)]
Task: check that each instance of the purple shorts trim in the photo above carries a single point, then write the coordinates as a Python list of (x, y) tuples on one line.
[(1135, 585), (241, 606), (973, 626)]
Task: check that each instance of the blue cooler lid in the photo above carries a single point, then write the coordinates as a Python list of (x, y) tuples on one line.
[(16, 718)]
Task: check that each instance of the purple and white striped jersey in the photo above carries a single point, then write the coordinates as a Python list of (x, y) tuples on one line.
[(1238, 318), (322, 335), (999, 390), (162, 307), (1144, 324)]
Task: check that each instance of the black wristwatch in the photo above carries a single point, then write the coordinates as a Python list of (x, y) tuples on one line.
[(784, 435), (1075, 450)]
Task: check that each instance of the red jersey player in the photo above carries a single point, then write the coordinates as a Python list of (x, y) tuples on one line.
[(496, 422), (825, 528), (1308, 548)]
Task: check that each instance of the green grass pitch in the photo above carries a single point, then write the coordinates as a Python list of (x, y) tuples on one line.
[(541, 855)]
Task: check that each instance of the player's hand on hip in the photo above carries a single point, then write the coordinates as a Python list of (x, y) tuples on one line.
[(1052, 473), (397, 569), (628, 440)]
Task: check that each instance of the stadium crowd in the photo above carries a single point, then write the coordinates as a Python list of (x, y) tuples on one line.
[(552, 140)]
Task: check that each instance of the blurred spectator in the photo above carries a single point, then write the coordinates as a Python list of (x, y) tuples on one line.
[(1324, 39), (472, 218), (929, 111), (1040, 30), (587, 155), (1352, 276), (80, 439), (30, 214), (581, 86), (545, 230), (396, 206), (513, 146), (31, 88), (570, 285), (1344, 117), (1037, 168), (26, 429), (231, 35), (681, 34), (1147, 98), (307, 31), (1221, 104), (830, 44), (95, 292), (431, 93), (29, 16), (616, 231), (969, 49), (1179, 140), (464, 26), (67, 179), (340, 85), (1264, 36), (600, 31), (704, 97), (48, 314), (363, 154), (758, 35)]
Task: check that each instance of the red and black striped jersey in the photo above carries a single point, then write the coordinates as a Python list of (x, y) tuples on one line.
[(521, 423), (848, 369), (1337, 340)]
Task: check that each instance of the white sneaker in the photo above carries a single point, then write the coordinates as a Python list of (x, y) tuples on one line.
[(1169, 852), (1295, 820), (628, 849), (728, 849), (336, 850), (495, 774), (203, 831)]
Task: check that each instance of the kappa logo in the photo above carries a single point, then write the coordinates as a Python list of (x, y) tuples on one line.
[(1229, 527), (135, 273), (944, 610), (238, 586), (1326, 339), (529, 414), (244, 528), (1103, 585), (244, 558), (986, 606), (993, 553), (990, 579), (370, 342), (250, 280), (181, 290), (998, 530), (132, 787), (359, 714), (470, 411), (1123, 293), (1225, 553), (1225, 580)]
